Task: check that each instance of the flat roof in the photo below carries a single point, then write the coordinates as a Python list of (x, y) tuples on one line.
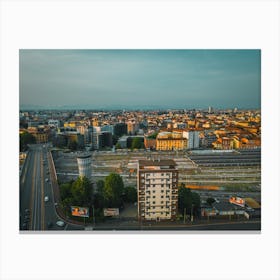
[(157, 162), (84, 156)]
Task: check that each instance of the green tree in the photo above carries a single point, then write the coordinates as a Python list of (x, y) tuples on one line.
[(82, 191), (72, 145), (137, 143), (130, 194), (188, 200), (65, 190), (100, 186), (113, 190), (25, 139), (118, 146), (98, 201), (153, 136), (210, 200)]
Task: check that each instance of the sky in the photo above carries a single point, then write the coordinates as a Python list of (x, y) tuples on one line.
[(139, 79)]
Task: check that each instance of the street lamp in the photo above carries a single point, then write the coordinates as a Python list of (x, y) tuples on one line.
[(192, 213)]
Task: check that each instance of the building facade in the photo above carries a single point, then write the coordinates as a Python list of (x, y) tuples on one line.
[(157, 187), (168, 141), (193, 138)]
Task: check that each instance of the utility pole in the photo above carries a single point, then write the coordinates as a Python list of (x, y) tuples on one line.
[(192, 214)]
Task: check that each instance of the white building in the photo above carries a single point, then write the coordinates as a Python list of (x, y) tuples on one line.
[(84, 165), (54, 123), (193, 138), (157, 187)]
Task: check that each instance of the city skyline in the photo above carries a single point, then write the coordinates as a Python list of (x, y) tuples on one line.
[(139, 79)]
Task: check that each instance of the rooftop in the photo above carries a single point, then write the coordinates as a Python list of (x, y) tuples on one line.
[(157, 162)]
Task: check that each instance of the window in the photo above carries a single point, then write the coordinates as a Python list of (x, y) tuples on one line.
[(154, 191), (154, 202), (161, 207), (162, 196), (154, 196)]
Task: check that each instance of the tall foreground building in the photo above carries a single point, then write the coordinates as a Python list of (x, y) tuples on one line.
[(157, 187)]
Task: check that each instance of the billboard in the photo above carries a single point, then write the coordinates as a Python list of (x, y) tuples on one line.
[(79, 211), (237, 201), (110, 212)]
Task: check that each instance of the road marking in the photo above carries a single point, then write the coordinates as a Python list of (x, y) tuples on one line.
[(32, 195), (42, 195)]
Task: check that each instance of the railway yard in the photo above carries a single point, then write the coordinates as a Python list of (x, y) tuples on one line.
[(230, 171)]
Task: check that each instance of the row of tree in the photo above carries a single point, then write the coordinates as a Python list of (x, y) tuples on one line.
[(188, 201), (110, 193), (79, 192)]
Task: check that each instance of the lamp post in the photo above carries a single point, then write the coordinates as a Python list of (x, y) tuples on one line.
[(192, 213)]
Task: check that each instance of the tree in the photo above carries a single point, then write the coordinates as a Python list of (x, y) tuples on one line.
[(118, 146), (113, 190), (130, 194), (153, 136), (82, 191), (25, 139), (72, 145), (137, 143), (188, 200), (210, 200), (65, 190), (100, 186)]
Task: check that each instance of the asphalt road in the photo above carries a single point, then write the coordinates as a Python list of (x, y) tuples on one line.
[(164, 227), (36, 214)]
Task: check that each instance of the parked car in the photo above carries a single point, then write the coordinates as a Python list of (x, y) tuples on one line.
[(60, 223)]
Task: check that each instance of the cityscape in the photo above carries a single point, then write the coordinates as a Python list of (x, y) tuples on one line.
[(139, 140)]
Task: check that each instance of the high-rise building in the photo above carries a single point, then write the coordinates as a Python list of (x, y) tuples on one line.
[(84, 165), (193, 138), (157, 187)]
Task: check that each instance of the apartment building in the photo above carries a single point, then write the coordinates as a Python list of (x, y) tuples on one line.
[(167, 141), (157, 187)]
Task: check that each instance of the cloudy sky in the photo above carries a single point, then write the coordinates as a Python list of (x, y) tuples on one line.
[(94, 79)]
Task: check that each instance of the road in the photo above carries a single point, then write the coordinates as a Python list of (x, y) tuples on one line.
[(36, 214)]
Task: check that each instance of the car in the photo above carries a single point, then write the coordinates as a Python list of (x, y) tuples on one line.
[(50, 224), (27, 211), (24, 226), (46, 198), (47, 179), (26, 218), (60, 223)]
